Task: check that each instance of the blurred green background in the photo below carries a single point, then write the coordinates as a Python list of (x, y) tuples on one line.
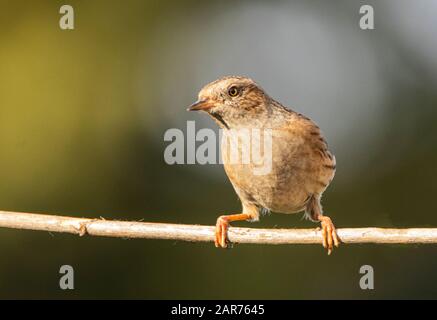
[(83, 114)]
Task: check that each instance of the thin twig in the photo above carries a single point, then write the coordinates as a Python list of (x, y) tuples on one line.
[(198, 233)]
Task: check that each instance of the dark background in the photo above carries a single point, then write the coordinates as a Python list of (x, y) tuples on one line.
[(83, 114)]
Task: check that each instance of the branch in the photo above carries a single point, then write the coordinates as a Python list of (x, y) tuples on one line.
[(197, 233)]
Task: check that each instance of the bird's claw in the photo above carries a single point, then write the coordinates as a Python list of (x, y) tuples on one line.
[(329, 234), (221, 233)]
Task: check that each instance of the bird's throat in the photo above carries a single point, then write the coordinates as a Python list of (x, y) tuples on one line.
[(219, 118)]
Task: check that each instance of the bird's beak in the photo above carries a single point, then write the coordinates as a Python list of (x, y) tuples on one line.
[(203, 105)]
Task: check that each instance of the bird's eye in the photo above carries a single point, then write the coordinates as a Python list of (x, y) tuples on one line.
[(233, 91)]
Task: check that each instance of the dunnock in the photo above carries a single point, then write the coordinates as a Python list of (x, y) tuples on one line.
[(301, 167)]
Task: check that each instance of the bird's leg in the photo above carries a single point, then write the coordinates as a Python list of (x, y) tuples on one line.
[(329, 234), (222, 225)]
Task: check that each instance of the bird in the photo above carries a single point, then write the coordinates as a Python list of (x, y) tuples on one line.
[(302, 167)]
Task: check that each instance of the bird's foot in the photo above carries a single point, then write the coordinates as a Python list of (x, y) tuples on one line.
[(222, 226), (221, 232), (329, 234)]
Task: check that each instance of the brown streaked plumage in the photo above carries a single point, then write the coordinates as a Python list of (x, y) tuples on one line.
[(301, 165)]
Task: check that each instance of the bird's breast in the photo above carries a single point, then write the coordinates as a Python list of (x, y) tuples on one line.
[(275, 168)]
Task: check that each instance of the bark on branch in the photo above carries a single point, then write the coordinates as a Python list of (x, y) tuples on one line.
[(197, 233)]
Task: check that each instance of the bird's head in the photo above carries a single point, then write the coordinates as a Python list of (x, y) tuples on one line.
[(232, 101)]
